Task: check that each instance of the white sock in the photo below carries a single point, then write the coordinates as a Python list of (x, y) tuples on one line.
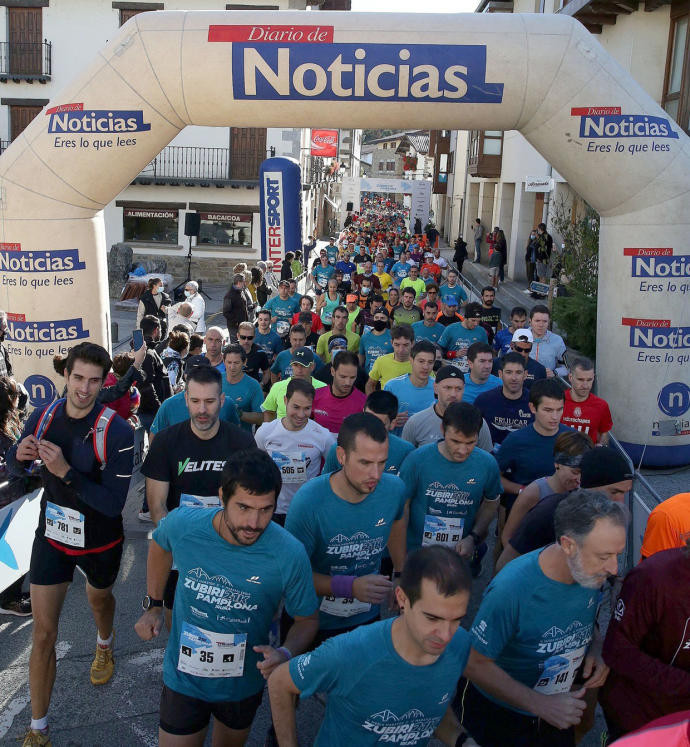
[(105, 643), (39, 724)]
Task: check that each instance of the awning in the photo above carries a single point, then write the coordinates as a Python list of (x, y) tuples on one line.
[(330, 202)]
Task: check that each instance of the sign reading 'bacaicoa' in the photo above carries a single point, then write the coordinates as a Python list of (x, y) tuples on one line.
[(272, 66)]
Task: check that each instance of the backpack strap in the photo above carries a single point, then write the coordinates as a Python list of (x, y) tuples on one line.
[(46, 418), (100, 434)]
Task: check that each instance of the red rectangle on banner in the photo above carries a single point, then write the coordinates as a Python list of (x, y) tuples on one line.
[(594, 111), (10, 247), (324, 143), (631, 322), (665, 252), (16, 317), (263, 33), (78, 107)]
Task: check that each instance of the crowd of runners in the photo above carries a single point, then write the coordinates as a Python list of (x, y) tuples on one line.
[(325, 482)]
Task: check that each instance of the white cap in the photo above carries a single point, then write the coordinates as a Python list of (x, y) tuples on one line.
[(523, 335)]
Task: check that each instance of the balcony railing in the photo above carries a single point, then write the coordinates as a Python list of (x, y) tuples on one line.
[(27, 60), (204, 166)]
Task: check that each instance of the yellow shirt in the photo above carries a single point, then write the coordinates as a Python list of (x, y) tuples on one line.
[(386, 281), (386, 368), (275, 399), (322, 344)]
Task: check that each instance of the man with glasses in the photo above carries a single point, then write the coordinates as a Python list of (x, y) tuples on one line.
[(522, 343), (257, 362)]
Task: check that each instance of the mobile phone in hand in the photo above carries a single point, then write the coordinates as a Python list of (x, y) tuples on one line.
[(137, 339)]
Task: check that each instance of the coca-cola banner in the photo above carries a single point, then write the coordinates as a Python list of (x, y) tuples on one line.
[(324, 143)]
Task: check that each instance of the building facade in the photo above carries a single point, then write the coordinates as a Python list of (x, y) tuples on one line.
[(493, 173), (210, 170)]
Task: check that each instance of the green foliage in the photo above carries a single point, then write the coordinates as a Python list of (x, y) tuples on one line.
[(369, 135), (580, 258), (576, 317), (576, 313)]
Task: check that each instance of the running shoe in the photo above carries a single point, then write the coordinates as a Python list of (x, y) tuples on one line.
[(103, 664), (145, 516), (19, 607), (37, 739)]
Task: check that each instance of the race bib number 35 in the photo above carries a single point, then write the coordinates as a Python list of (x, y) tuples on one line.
[(204, 653), (64, 525)]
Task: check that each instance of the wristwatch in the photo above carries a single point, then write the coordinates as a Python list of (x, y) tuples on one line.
[(148, 601), (477, 539)]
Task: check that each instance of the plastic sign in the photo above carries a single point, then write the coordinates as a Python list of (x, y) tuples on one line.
[(280, 203), (324, 143)]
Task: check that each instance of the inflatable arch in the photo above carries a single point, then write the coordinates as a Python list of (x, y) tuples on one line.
[(543, 75)]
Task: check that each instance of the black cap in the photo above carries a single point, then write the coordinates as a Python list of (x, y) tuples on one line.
[(449, 372), (603, 466), (303, 356)]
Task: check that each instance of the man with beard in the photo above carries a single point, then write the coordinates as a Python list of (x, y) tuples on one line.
[(85, 479), (345, 520), (184, 463), (533, 656), (235, 566)]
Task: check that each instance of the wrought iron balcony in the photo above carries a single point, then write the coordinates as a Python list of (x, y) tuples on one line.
[(193, 166), (25, 61)]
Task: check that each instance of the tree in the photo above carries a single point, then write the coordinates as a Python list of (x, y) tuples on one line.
[(576, 311)]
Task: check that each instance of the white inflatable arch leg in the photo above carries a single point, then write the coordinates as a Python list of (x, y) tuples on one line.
[(543, 75)]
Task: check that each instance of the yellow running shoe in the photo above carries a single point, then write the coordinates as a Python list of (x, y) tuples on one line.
[(103, 664), (36, 739)]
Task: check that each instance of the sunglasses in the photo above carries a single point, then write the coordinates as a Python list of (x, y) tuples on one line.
[(524, 350), (246, 337)]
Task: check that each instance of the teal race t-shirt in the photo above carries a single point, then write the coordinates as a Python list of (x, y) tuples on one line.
[(226, 597), (536, 629), (398, 449), (345, 539), (376, 696), (444, 495)]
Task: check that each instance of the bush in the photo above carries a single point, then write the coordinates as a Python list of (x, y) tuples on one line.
[(576, 316)]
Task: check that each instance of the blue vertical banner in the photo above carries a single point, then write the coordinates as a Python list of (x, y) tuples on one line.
[(281, 206)]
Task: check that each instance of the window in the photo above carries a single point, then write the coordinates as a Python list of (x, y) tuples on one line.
[(382, 165), (390, 165), (20, 117), (247, 151), (25, 36), (226, 229), (676, 99), (129, 10), (492, 142), (151, 225)]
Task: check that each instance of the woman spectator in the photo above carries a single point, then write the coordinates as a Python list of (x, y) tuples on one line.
[(12, 600), (155, 302), (261, 290), (173, 358)]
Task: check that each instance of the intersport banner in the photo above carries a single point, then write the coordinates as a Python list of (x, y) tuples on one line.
[(541, 74)]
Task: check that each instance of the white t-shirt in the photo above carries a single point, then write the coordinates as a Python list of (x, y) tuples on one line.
[(298, 454)]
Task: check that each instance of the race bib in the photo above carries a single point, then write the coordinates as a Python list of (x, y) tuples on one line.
[(282, 327), (293, 467), (207, 654), (199, 501), (343, 607), (346, 277), (559, 672), (440, 530), (64, 525), (327, 317), (460, 362)]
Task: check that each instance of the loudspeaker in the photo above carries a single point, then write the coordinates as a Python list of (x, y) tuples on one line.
[(350, 207), (192, 224)]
